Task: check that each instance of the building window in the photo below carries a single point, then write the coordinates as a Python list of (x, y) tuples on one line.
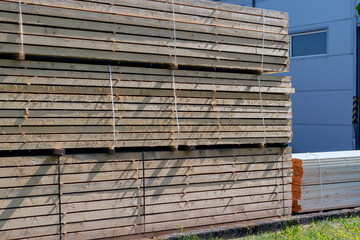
[(309, 43)]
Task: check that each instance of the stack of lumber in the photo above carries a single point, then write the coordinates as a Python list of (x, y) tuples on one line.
[(47, 105), (139, 74), (131, 193), (207, 34), (327, 180)]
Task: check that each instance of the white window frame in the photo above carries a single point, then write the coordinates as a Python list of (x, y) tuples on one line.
[(306, 33)]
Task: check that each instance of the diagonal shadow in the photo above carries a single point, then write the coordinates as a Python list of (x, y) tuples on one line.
[(33, 181)]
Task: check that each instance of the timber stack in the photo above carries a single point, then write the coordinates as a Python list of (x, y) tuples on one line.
[(326, 181), (141, 78)]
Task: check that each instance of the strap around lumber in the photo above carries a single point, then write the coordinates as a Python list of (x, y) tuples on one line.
[(263, 41), (22, 53), (173, 67), (262, 110), (113, 108)]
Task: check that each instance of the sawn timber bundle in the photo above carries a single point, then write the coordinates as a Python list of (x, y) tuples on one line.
[(47, 105), (207, 34), (325, 181), (126, 194)]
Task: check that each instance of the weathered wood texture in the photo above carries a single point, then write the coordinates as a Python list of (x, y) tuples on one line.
[(208, 35), (47, 105), (104, 196), (325, 181)]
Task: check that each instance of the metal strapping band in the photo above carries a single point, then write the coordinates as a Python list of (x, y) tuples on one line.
[(283, 180), (113, 107), (262, 110), (321, 182), (22, 54), (173, 79), (144, 188), (59, 189)]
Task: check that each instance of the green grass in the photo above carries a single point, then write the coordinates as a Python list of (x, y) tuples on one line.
[(332, 229)]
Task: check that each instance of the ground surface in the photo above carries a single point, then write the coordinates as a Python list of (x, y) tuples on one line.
[(334, 225), (335, 228)]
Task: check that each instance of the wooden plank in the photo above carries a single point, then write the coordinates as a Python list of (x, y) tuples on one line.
[(229, 8), (29, 222), (137, 92), (133, 57), (191, 166), (28, 201), (17, 172), (222, 152), (158, 54), (154, 84), (215, 177), (147, 80), (132, 232), (240, 216), (161, 227), (26, 113), (221, 197), (146, 40), (139, 106), (80, 192), (329, 190), (134, 174), (312, 206), (24, 191), (144, 13), (90, 71), (214, 211), (199, 11), (11, 213), (49, 232), (107, 144), (167, 155), (43, 20), (136, 136), (186, 171), (326, 179), (70, 9), (129, 212), (29, 181), (28, 161), (269, 124), (230, 197)]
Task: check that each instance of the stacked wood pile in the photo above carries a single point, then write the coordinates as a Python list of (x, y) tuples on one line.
[(207, 35), (104, 195), (149, 75), (325, 181), (69, 105), (61, 105)]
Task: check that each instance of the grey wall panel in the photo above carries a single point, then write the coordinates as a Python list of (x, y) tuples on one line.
[(306, 12), (322, 104), (322, 73), (340, 35), (321, 138), (323, 107)]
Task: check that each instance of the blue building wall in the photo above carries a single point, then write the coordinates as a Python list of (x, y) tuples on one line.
[(324, 85)]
